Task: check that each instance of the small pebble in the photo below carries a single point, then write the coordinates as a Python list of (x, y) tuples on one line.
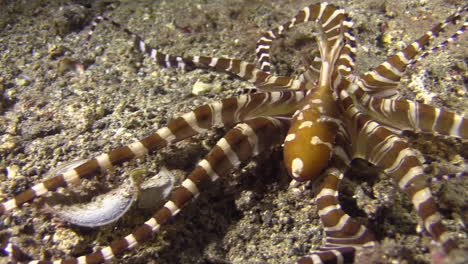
[(202, 87)]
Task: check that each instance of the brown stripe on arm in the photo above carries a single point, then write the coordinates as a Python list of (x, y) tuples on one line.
[(283, 83), (301, 15), (218, 161), (199, 176), (228, 109), (153, 142), (240, 145), (162, 216), (182, 129), (222, 65), (24, 197), (204, 116), (247, 70), (204, 60), (387, 73), (143, 233), (280, 82), (235, 66), (398, 61), (181, 197), (444, 123), (314, 11), (120, 155), (253, 106), (260, 78), (90, 259), (412, 50), (56, 182)]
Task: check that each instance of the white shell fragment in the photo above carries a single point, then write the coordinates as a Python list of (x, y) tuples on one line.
[(154, 191), (102, 209)]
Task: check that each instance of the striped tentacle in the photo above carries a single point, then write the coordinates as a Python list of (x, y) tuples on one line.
[(444, 176), (340, 228), (444, 43), (247, 71), (226, 113), (327, 15), (346, 61), (383, 148), (164, 60), (343, 74), (239, 68), (96, 21), (408, 115), (344, 254), (344, 235), (311, 71), (383, 79), (242, 142), (242, 69)]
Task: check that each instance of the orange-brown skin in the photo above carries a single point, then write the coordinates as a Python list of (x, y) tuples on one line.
[(309, 145)]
